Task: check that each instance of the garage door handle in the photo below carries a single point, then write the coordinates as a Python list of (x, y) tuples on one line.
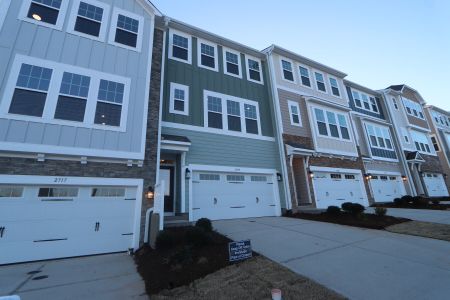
[(257, 200), (97, 226), (215, 200), (2, 231)]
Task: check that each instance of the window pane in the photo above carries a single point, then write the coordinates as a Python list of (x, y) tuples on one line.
[(71, 109), (127, 23), (108, 114), (34, 77), (232, 68), (111, 91), (126, 38), (180, 53), (215, 120), (331, 118), (90, 11), (319, 115), (214, 104), (334, 131), (344, 132), (288, 75), (321, 86), (251, 126), (342, 121), (254, 75), (322, 128), (232, 58), (207, 61), (178, 105), (10, 191), (295, 119), (207, 50), (27, 103), (373, 140), (180, 41), (87, 26), (250, 111), (46, 14), (234, 123), (53, 3), (75, 85)]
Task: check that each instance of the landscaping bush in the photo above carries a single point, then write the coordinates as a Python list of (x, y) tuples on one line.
[(165, 240), (198, 237), (419, 201), (435, 201), (205, 224), (355, 209), (399, 202), (333, 210), (407, 199), (380, 211)]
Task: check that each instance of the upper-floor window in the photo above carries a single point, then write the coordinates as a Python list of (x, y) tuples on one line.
[(287, 70), (254, 70), (405, 135), (373, 104), (48, 13), (232, 63), (357, 99), (435, 143), (294, 113), (304, 76), (332, 124), (207, 55), (320, 82), (379, 137), (65, 95), (88, 19), (334, 87), (126, 30), (413, 108), (421, 142), (180, 46), (231, 113), (11, 191), (395, 103), (365, 101), (179, 99), (441, 119)]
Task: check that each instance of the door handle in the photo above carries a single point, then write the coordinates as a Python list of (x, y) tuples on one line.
[(2, 231), (215, 200)]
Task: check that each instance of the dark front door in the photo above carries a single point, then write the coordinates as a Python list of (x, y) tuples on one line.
[(166, 173)]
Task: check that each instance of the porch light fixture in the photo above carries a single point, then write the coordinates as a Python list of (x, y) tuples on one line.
[(368, 176), (404, 178), (279, 177), (187, 174), (311, 174), (36, 17), (150, 193)]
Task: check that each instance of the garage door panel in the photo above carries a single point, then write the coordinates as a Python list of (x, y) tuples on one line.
[(386, 188), (435, 185)]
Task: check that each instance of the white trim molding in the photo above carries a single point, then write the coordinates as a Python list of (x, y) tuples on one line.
[(189, 49), (199, 54), (297, 106), (176, 86), (225, 70), (247, 70), (113, 28)]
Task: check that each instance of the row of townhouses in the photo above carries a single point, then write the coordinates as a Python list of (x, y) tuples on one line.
[(102, 100)]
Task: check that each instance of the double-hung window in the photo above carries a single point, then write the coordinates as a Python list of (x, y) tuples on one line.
[(294, 113), (304, 76), (72, 98), (421, 142), (179, 99), (373, 104), (413, 108), (89, 19), (321, 122), (234, 115), (287, 70), (332, 124), (357, 99), (435, 143), (215, 112), (207, 55), (251, 118), (320, 82), (254, 70), (334, 87), (127, 30), (109, 103), (365, 100), (344, 127), (180, 47), (232, 63), (49, 13), (379, 137), (31, 91)]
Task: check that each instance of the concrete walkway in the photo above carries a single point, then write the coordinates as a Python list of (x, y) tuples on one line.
[(357, 263), (424, 215), (112, 276)]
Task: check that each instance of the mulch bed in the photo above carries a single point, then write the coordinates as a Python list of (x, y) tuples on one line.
[(365, 220), (181, 264), (413, 206)]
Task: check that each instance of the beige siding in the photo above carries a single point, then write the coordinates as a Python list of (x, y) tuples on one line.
[(324, 144), (305, 129), (360, 131), (383, 166)]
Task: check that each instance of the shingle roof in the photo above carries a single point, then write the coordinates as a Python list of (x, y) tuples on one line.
[(397, 87)]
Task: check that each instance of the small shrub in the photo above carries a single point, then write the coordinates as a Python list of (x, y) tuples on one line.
[(419, 201), (333, 210), (198, 237), (346, 206), (399, 202), (407, 199), (165, 240), (205, 224), (380, 211), (355, 209), (435, 201)]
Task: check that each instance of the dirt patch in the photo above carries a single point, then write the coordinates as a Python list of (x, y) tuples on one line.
[(424, 229), (252, 279), (365, 220)]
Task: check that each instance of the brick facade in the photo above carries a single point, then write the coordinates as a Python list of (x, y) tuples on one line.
[(28, 166)]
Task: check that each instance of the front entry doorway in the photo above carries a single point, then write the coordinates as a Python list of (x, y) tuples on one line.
[(167, 173)]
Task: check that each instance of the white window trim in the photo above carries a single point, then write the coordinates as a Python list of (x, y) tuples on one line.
[(300, 76), (4, 7), (324, 82), (331, 87), (293, 103), (292, 70), (199, 55), (185, 88), (327, 123), (113, 28), (382, 128), (104, 23), (53, 94), (224, 113), (224, 51), (59, 23), (247, 70), (189, 38)]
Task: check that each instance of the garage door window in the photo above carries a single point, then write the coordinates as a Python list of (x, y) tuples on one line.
[(393, 178), (215, 177), (235, 178), (335, 176), (108, 192), (47, 192), (258, 178), (383, 177), (349, 176), (10, 191)]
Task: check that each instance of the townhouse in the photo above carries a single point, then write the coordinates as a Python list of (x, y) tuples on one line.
[(77, 134), (439, 120), (384, 168), (425, 171), (322, 160), (219, 153)]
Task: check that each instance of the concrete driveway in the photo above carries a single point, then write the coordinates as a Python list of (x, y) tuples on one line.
[(112, 276), (424, 215), (357, 263)]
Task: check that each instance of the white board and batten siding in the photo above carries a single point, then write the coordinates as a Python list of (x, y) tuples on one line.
[(56, 217), (59, 46)]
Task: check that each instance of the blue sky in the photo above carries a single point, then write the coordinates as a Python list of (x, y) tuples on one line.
[(377, 43)]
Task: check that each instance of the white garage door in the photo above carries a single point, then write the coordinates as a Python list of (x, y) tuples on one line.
[(386, 188), (435, 185), (44, 222), (337, 188), (226, 195)]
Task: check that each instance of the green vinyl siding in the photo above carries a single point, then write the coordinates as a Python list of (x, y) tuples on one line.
[(199, 79)]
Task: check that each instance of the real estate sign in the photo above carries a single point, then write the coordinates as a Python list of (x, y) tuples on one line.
[(240, 250)]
